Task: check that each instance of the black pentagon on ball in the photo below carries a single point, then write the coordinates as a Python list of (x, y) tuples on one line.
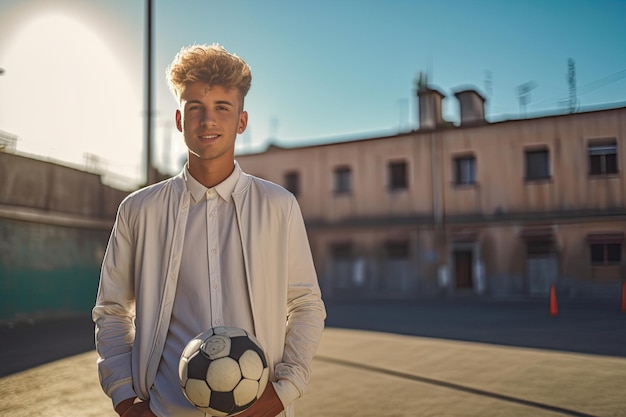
[(223, 401), (240, 344), (197, 367)]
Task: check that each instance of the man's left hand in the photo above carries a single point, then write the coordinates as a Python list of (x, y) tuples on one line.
[(268, 404)]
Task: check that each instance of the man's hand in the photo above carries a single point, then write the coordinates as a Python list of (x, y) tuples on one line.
[(268, 404), (128, 408)]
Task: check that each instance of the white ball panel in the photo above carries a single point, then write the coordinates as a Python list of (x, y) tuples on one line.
[(217, 346), (191, 347), (229, 331), (263, 381), (223, 374), (251, 365), (182, 369), (245, 392), (198, 392)]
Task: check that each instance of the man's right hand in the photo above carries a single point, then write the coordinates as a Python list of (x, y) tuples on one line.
[(128, 408)]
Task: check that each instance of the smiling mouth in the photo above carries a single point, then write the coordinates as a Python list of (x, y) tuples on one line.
[(209, 137)]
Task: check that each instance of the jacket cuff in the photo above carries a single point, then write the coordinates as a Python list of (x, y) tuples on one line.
[(286, 391), (122, 393)]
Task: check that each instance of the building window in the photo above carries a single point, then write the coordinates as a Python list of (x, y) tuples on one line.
[(606, 253), (343, 180), (341, 251), (539, 248), (465, 170), (397, 250), (602, 157), (537, 164), (398, 179), (292, 182)]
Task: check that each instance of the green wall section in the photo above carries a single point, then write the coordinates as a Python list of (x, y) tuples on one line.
[(47, 270)]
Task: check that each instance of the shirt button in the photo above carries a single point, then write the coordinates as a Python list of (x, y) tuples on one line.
[(213, 250), (211, 215)]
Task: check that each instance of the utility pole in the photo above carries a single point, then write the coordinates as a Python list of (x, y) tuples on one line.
[(150, 172)]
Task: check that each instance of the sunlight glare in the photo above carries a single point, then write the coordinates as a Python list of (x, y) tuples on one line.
[(65, 93)]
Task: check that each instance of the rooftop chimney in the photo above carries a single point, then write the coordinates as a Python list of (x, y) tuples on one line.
[(472, 107), (429, 103)]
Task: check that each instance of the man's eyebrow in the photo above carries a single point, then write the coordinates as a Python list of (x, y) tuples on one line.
[(224, 102)]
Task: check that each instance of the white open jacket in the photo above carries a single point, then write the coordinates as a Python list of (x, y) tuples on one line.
[(140, 272)]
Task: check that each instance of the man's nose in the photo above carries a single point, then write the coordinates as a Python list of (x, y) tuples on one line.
[(208, 118)]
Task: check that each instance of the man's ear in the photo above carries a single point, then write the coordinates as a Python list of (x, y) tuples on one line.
[(179, 120), (243, 122)]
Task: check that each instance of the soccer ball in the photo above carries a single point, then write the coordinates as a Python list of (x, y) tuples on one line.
[(223, 371)]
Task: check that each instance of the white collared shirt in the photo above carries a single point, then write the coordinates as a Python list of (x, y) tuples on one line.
[(211, 291)]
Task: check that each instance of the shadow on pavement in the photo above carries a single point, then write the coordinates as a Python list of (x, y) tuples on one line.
[(581, 326), (31, 344)]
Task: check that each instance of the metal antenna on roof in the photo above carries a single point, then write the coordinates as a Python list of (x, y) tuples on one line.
[(488, 87), (523, 93), (488, 83), (571, 80)]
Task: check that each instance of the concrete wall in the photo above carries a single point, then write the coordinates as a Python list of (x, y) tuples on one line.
[(54, 226), (35, 184)]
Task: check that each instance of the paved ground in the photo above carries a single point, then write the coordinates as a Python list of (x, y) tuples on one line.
[(455, 357)]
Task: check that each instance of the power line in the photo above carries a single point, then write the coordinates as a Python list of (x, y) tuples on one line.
[(602, 82), (587, 88)]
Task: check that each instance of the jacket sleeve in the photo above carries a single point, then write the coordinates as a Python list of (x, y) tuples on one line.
[(305, 313), (114, 313)]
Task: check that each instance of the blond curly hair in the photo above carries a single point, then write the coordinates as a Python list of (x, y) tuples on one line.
[(209, 64)]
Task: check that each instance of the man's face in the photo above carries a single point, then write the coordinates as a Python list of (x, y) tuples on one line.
[(210, 119)]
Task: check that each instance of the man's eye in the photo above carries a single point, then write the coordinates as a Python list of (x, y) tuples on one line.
[(222, 108)]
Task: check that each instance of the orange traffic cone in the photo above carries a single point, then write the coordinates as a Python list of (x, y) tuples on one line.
[(554, 308), (623, 297)]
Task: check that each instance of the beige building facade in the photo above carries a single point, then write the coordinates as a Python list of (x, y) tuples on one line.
[(503, 209)]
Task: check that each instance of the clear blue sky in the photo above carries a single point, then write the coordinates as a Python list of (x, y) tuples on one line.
[(323, 71)]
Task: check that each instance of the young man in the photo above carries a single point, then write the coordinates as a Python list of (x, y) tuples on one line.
[(212, 246)]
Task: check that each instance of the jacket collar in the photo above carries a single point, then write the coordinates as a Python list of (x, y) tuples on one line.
[(238, 186)]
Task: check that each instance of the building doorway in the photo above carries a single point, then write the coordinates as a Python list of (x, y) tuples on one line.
[(463, 269), (542, 272), (542, 266)]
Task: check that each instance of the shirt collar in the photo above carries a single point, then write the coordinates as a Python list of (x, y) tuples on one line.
[(224, 189)]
